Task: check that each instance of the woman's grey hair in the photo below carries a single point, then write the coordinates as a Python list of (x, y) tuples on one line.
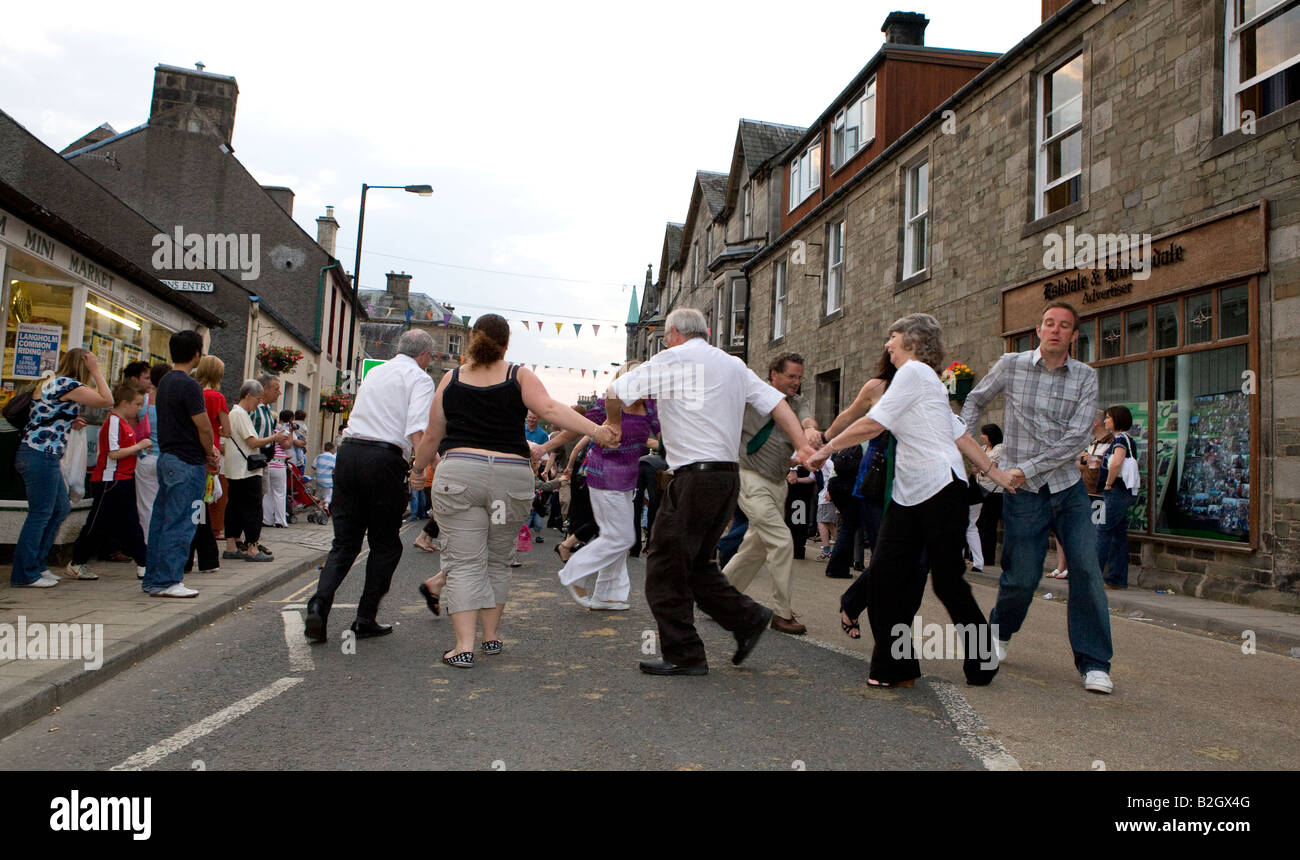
[(922, 336), (414, 342), (689, 322), (250, 388)]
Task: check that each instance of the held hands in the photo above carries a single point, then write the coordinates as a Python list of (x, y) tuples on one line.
[(810, 457), (791, 476), (814, 437), (607, 436), (416, 480), (1015, 476)]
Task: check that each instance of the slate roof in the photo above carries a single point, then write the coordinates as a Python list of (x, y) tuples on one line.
[(383, 306), (673, 242), (714, 188), (763, 141)]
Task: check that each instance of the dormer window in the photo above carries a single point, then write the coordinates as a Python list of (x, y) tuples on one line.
[(806, 173), (855, 126)]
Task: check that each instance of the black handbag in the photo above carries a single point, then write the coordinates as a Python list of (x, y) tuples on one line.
[(255, 461), (18, 411), (873, 482)]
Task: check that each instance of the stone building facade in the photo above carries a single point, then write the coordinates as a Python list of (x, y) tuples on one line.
[(395, 309), (1118, 119)]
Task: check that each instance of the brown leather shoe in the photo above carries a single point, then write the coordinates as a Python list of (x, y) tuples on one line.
[(789, 625)]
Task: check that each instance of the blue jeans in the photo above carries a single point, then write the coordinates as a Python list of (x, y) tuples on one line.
[(418, 510), (1112, 536), (535, 521), (1029, 517), (175, 519), (47, 507), (729, 543)]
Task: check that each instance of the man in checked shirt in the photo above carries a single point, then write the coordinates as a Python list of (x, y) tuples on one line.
[(1050, 402)]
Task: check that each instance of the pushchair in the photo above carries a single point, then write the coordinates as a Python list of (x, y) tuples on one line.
[(300, 492)]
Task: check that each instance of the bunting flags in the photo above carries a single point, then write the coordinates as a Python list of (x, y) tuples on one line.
[(577, 329), (525, 322), (446, 319), (595, 329), (559, 327), (465, 318), (584, 373), (539, 325)]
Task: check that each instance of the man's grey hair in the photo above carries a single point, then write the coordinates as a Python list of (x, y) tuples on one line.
[(923, 336), (250, 388), (689, 322), (414, 342), (265, 378)]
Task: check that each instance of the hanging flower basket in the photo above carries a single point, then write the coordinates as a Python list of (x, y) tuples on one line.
[(278, 359), (335, 401), (960, 379)]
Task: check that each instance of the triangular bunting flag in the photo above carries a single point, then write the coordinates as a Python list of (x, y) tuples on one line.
[(615, 329), (466, 319), (584, 373), (446, 319), (525, 322), (595, 329), (559, 327), (534, 368), (577, 329)]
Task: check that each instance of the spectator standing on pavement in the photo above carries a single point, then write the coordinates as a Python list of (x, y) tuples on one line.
[(827, 516), (536, 435), (323, 466), (56, 398), (146, 462), (701, 393), (274, 501), (112, 487), (764, 463), (927, 512), (648, 494), (244, 513), (484, 483), (990, 514), (800, 503), (388, 420), (1050, 402), (185, 437), (209, 373), (1119, 461)]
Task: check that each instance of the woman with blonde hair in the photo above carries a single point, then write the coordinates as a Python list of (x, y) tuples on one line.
[(611, 483), (56, 398), (209, 373), (483, 485)]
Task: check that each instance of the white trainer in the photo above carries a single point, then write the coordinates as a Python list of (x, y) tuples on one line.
[(1098, 681), (80, 571), (41, 582), (1000, 648), (593, 603), (177, 590), (139, 572), (581, 599)]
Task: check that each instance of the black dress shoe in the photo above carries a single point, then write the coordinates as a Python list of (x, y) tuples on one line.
[(366, 629), (745, 644), (663, 667), (315, 629)]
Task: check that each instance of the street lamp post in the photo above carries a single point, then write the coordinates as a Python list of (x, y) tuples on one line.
[(423, 191)]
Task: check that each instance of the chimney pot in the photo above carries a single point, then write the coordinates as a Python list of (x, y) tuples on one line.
[(905, 28), (327, 230)]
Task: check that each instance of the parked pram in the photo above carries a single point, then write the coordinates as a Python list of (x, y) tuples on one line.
[(300, 492)]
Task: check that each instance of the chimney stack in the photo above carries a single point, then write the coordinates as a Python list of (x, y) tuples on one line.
[(282, 196), (327, 229), (905, 28), (194, 101), (399, 286)]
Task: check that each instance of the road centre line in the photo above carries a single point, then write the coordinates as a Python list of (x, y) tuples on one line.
[(972, 733), (299, 651), (188, 735)]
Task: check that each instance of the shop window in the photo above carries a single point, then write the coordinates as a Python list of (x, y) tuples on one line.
[(1200, 319), (114, 334), (1204, 445), (1234, 312), (1135, 336), (1126, 385), (35, 310), (1111, 337), (1086, 346), (1167, 325)]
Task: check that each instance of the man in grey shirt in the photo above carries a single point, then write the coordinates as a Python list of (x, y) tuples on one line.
[(764, 464), (1050, 402)]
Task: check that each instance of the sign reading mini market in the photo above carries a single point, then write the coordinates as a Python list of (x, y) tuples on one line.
[(1113, 281)]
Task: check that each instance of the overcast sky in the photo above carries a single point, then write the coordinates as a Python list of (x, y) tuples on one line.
[(560, 137)]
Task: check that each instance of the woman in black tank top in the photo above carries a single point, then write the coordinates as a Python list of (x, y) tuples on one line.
[(483, 485)]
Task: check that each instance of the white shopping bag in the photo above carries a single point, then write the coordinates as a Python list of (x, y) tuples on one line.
[(74, 465)]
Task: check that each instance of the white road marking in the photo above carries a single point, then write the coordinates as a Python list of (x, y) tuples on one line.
[(299, 651), (206, 726), (972, 733), (290, 606)]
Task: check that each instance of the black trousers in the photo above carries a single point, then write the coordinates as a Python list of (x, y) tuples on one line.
[(647, 492), (897, 583), (987, 524), (582, 520), (369, 499), (204, 545), (431, 525), (853, 516), (112, 515), (800, 511), (682, 569), (244, 510)]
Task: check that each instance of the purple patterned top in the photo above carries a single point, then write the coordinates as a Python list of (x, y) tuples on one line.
[(616, 468)]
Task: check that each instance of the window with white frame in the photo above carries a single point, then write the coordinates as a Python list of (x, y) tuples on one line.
[(806, 173), (778, 299), (917, 212), (854, 127), (695, 263), (719, 336), (739, 304), (748, 208), (453, 344), (834, 266), (1060, 137), (1261, 69)]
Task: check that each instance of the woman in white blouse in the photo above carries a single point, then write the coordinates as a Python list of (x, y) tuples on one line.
[(927, 511)]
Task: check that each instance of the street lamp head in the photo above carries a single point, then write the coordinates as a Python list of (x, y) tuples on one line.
[(422, 190)]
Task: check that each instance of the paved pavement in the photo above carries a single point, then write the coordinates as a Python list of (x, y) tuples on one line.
[(572, 667)]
